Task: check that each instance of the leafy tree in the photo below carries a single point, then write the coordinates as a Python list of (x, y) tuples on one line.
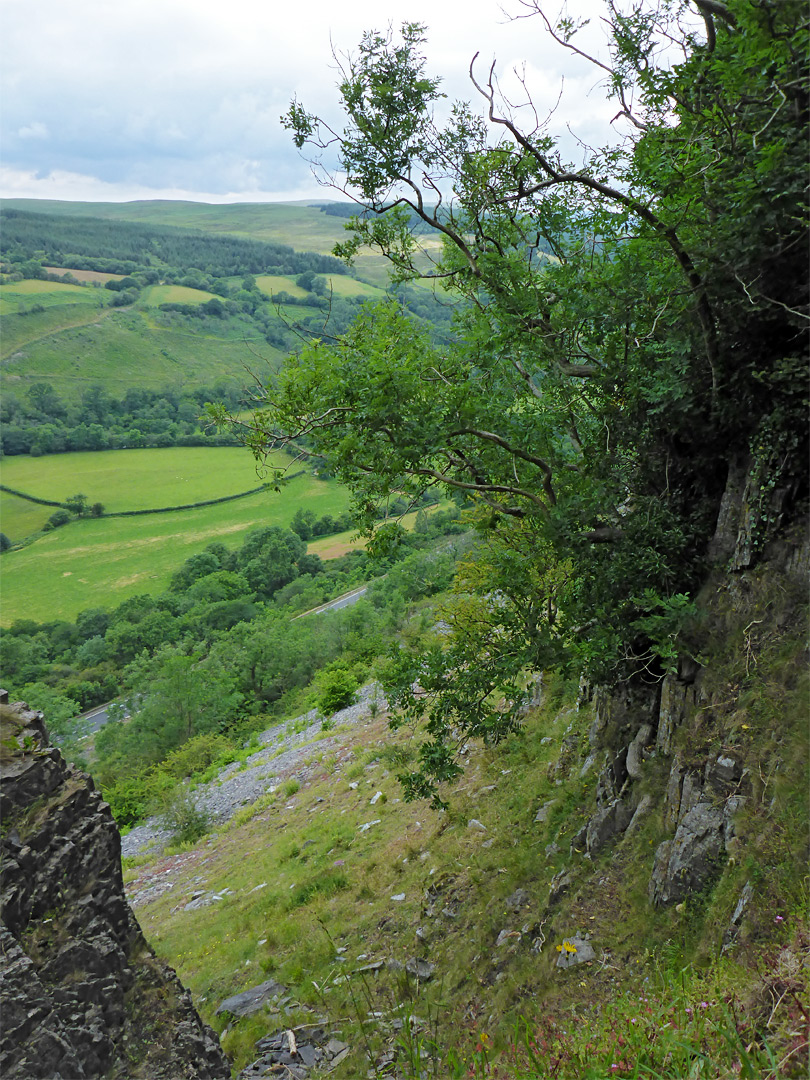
[(5, 543), (631, 329), (77, 504), (303, 523)]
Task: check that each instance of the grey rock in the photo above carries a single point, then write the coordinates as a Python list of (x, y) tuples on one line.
[(474, 823), (63, 1005), (672, 802), (612, 779), (578, 841), (635, 752), (559, 886), (745, 898), (378, 965), (250, 1001), (641, 811), (608, 822), (519, 898), (552, 850), (691, 793), (731, 807), (676, 698), (420, 969), (692, 859), (575, 950), (587, 765), (542, 814), (723, 770)]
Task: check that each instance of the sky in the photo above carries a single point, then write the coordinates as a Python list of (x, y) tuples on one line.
[(181, 99)]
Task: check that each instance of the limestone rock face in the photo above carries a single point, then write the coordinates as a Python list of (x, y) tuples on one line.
[(82, 994), (692, 858)]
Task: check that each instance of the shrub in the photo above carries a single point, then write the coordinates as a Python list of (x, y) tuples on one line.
[(196, 755), (336, 688), (59, 517), (186, 821)]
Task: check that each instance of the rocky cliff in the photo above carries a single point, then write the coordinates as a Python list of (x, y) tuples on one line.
[(81, 991)]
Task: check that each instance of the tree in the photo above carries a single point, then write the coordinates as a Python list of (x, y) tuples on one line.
[(77, 504), (303, 523), (631, 329)]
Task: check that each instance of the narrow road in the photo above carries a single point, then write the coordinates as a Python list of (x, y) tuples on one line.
[(334, 605)]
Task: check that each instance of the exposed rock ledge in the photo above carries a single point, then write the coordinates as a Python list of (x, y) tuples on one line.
[(82, 994)]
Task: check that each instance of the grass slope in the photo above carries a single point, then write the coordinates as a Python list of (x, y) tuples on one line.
[(325, 876), (126, 349)]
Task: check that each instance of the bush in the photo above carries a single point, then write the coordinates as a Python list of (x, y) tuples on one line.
[(131, 798), (196, 755), (183, 818), (60, 517), (336, 688)]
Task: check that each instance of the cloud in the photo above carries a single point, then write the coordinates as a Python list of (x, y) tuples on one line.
[(36, 130), (186, 95)]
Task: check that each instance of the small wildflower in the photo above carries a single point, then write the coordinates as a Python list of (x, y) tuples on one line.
[(778, 919)]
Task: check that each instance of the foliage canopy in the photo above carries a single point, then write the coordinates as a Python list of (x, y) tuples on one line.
[(631, 327)]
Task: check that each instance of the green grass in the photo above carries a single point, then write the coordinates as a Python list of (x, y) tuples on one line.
[(272, 284), (19, 517), (23, 295), (125, 349), (156, 295), (658, 1001), (346, 286), (137, 479), (20, 330), (100, 562)]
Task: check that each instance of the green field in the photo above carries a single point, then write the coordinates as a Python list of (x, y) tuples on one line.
[(273, 284), (99, 562), (173, 294), (19, 517), (136, 479), (23, 295)]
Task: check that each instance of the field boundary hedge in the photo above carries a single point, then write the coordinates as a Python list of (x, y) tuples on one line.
[(31, 498)]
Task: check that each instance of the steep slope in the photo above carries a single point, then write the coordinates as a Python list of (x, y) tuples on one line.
[(83, 995), (632, 862)]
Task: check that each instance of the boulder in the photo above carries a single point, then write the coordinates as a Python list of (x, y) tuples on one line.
[(82, 994), (677, 696)]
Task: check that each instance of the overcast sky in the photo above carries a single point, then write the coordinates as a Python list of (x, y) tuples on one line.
[(181, 98)]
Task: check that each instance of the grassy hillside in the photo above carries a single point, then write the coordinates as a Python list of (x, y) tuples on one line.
[(137, 479), (301, 225), (75, 348)]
